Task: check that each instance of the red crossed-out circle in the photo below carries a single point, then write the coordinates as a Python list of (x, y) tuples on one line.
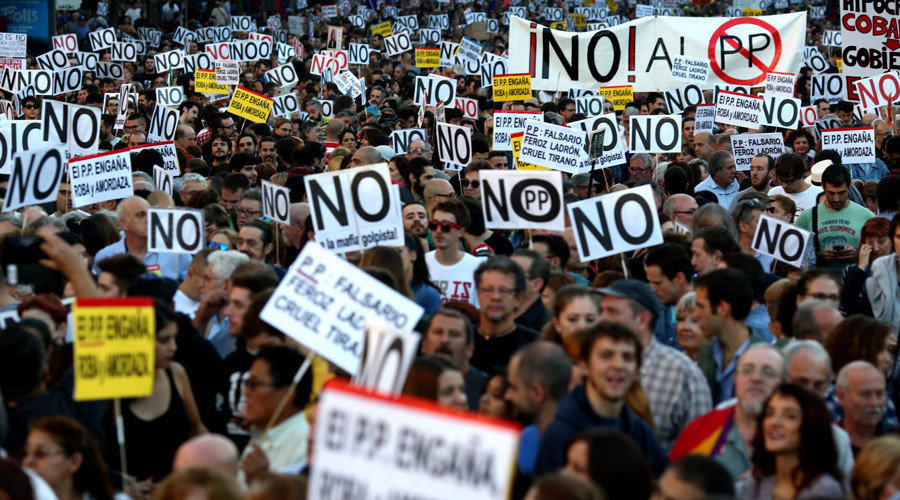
[(776, 38)]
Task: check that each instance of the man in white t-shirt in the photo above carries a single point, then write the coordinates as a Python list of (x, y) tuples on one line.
[(450, 268), (790, 171)]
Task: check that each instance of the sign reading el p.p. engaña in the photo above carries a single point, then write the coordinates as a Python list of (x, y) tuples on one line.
[(163, 180), (704, 118), (526, 199), (175, 230), (355, 209), (509, 122), (740, 110), (386, 357), (100, 177), (323, 302), (785, 242), (454, 144), (854, 144), (745, 147), (35, 177), (552, 146), (780, 84), (276, 202), (168, 152), (615, 223), (655, 134)]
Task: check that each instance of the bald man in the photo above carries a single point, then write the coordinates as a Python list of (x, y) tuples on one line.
[(294, 231), (704, 145), (160, 199), (437, 191), (208, 450), (366, 155), (418, 148), (680, 208)]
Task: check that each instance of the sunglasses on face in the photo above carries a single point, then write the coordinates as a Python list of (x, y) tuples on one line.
[(467, 183), (444, 226), (220, 246), (29, 106)]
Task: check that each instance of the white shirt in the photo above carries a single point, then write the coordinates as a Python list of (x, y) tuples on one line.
[(284, 446), (185, 304), (456, 282), (803, 200)]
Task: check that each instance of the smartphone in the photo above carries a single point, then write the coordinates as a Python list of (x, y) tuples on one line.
[(838, 248), (19, 262)]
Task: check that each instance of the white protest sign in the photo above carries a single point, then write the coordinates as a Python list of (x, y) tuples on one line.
[(169, 96), (878, 90), (163, 124), (745, 147), (200, 60), (469, 107), (522, 199), (276, 202), (124, 51), (167, 150), (809, 115), (589, 106), (655, 134), (613, 145), (491, 65), (469, 51), (102, 39), (175, 230), (69, 42), (552, 146), (67, 80), (855, 144), (690, 69), (448, 53), (510, 122), (173, 59), (17, 136), (329, 11), (355, 209), (72, 124), (818, 63), (323, 302), (740, 110), (432, 90), (241, 23), (454, 144), (348, 84), (228, 72), (704, 118), (386, 358), (681, 98), (53, 60), (831, 38), (785, 242), (101, 177), (358, 53), (615, 223), (35, 177), (283, 76), (397, 44), (780, 84), (162, 180), (831, 87), (782, 112), (285, 104), (401, 139)]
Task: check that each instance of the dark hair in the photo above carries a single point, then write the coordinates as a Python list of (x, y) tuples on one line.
[(264, 228), (283, 365), (93, 475), (422, 380), (125, 269), (235, 181), (14, 482), (794, 135), (751, 267), (21, 363), (547, 364), (671, 260), (818, 454), (420, 268), (888, 193), (814, 274), (255, 282), (704, 473), (857, 337), (476, 215), (611, 330), (718, 238), (504, 265), (539, 267), (456, 207), (617, 464), (556, 245), (791, 165), (731, 286), (836, 175), (252, 324)]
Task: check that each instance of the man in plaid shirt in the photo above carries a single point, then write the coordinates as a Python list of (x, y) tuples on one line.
[(676, 387)]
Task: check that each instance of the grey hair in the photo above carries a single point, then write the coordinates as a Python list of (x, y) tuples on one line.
[(811, 348), (192, 177), (841, 382), (687, 302), (252, 194), (717, 161), (804, 322), (646, 158), (660, 172), (224, 262), (768, 347), (547, 364), (555, 118), (143, 175), (631, 110), (714, 210)]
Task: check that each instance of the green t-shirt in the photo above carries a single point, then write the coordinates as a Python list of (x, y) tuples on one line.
[(839, 228)]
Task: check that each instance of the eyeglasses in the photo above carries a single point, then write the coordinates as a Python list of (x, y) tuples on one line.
[(636, 169), (467, 183), (220, 246), (249, 213), (825, 296), (29, 106), (502, 291), (764, 371), (688, 212), (416, 151), (444, 226)]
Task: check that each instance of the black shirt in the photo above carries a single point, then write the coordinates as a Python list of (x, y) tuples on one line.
[(493, 353)]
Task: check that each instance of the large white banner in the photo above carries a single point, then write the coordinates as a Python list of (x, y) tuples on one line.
[(740, 51)]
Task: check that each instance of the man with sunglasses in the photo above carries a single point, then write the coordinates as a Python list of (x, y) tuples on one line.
[(449, 267), (471, 184)]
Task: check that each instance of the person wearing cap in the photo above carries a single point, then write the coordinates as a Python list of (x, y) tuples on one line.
[(676, 387), (836, 223), (790, 174)]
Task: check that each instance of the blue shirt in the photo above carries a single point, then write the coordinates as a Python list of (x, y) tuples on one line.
[(724, 195), (868, 171), (758, 321), (171, 265), (725, 374)]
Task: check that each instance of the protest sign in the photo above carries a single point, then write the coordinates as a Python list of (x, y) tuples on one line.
[(428, 57), (817, 63), (72, 124), (17, 136), (114, 347), (167, 150), (100, 39), (508, 122), (655, 134), (15, 81), (250, 105), (323, 302), (879, 90), (335, 37), (746, 146), (854, 144), (454, 144), (382, 29), (831, 38), (55, 60), (285, 105), (515, 140), (171, 60), (67, 80), (619, 96), (35, 177), (589, 106), (199, 61), (522, 200), (355, 209), (241, 23), (690, 69), (615, 223), (430, 37), (512, 87), (100, 177), (401, 139), (469, 52), (276, 202), (553, 146), (613, 145), (740, 110), (469, 107), (785, 242), (15, 64), (678, 99), (448, 53), (830, 87), (809, 115), (124, 51), (329, 11), (782, 112), (432, 90), (163, 124), (68, 42), (386, 357), (388, 447), (348, 84), (283, 76), (358, 53), (169, 96), (175, 230), (491, 65), (780, 84), (228, 72), (397, 44), (162, 180)]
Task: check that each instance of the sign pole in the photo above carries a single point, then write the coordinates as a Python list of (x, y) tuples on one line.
[(277, 246), (590, 191), (297, 376), (624, 266), (120, 437)]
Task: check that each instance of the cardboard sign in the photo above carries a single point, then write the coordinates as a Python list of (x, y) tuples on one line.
[(469, 107), (401, 139), (619, 96), (704, 118), (785, 242), (163, 124), (780, 84), (613, 145), (782, 112), (655, 134), (250, 105), (855, 144), (54, 60), (745, 147), (16, 64), (169, 96), (72, 124), (386, 461), (428, 58), (522, 200), (690, 69), (228, 72), (175, 230), (35, 177), (323, 302), (276, 202), (879, 90), (679, 99), (831, 38), (355, 209), (454, 144), (102, 39), (199, 61), (124, 51), (512, 87), (553, 146), (448, 53), (509, 122), (241, 23), (101, 177), (830, 87), (69, 42), (432, 90), (397, 44), (387, 355), (615, 223), (284, 76), (15, 81), (516, 141), (285, 105), (491, 65), (740, 110), (162, 180), (114, 347), (809, 115)]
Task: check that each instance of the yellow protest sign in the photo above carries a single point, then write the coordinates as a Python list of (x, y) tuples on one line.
[(588, 3), (250, 105), (428, 58), (115, 343), (618, 96), (516, 140), (558, 25), (751, 12), (840, 65), (205, 82), (613, 5), (580, 20), (383, 29), (513, 87)]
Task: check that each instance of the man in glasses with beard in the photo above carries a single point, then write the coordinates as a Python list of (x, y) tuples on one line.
[(450, 268), (450, 333)]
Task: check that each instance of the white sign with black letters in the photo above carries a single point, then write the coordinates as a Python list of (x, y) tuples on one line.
[(854, 144), (613, 149), (655, 134), (163, 124), (35, 177), (397, 44), (101, 177), (162, 180), (401, 139), (745, 147), (689, 69), (704, 118), (778, 111), (552, 146), (454, 144), (522, 199), (785, 242), (615, 223), (510, 122), (175, 230), (169, 96), (740, 110), (72, 124), (386, 357), (276, 202)]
